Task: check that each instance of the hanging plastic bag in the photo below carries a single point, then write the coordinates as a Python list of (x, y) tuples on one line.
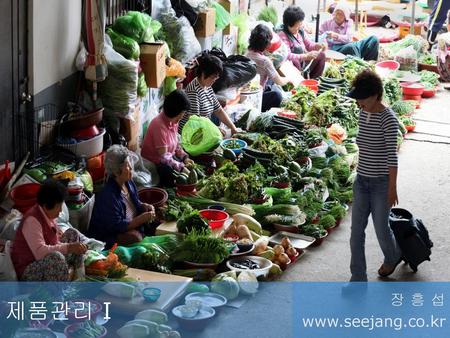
[(137, 26), (337, 133), (237, 70), (142, 88), (407, 58), (125, 46), (223, 18), (241, 21), (180, 37), (170, 84), (159, 7), (175, 68), (199, 5), (200, 135), (119, 90)]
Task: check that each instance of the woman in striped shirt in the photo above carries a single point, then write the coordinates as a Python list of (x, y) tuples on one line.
[(375, 187), (203, 101)]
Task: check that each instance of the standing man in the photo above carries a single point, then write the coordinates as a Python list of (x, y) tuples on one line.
[(437, 19)]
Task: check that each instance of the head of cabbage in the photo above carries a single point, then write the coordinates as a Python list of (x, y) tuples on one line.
[(225, 286)]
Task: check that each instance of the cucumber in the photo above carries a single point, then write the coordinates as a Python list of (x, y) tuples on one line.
[(331, 80), (258, 154), (181, 179), (253, 159), (295, 167), (192, 178)]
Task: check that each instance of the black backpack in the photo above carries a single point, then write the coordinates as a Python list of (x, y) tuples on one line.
[(412, 237)]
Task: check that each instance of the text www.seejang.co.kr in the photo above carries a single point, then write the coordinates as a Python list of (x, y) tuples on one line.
[(373, 323)]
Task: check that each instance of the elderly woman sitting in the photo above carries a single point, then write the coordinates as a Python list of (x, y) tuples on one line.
[(339, 31), (41, 252), (118, 215)]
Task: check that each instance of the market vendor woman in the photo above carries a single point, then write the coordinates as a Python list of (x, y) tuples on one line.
[(302, 49), (41, 252), (161, 144), (375, 187), (118, 215), (260, 39), (339, 31), (203, 101)]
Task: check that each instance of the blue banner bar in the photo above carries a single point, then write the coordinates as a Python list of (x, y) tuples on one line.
[(273, 309)]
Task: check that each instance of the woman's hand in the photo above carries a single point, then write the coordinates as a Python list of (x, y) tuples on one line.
[(77, 248), (188, 162), (332, 35), (392, 195), (148, 207), (311, 55), (147, 217)]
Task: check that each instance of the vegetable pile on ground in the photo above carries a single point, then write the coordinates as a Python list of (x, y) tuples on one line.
[(332, 107), (300, 102)]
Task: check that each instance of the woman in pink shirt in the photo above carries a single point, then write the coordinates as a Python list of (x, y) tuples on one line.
[(340, 33), (302, 49), (161, 143), (41, 252)]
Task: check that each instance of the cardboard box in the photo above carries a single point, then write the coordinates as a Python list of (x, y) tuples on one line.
[(153, 63), (287, 69), (206, 23), (230, 42), (130, 128), (232, 7)]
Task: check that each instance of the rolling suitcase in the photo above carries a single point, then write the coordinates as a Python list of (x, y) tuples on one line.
[(411, 236)]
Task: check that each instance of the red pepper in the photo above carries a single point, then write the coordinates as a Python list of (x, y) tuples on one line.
[(293, 91)]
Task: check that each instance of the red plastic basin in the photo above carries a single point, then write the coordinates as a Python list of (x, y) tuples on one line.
[(154, 196), (216, 218), (412, 89), (427, 93), (25, 196), (186, 187), (274, 44), (86, 133)]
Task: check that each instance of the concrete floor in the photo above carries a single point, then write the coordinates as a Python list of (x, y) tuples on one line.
[(423, 188)]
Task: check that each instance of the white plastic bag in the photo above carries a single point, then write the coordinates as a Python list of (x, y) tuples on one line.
[(119, 90), (180, 37), (12, 222), (319, 151), (7, 271), (407, 58), (80, 61), (159, 7)]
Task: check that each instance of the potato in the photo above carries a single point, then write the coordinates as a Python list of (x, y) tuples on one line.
[(243, 232), (283, 259), (278, 249), (291, 252), (286, 243)]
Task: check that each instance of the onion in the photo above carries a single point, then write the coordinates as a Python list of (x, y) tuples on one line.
[(278, 250)]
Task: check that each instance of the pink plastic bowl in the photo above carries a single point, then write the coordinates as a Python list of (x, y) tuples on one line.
[(391, 65)]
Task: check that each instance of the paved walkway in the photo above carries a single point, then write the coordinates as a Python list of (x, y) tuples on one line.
[(423, 188)]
